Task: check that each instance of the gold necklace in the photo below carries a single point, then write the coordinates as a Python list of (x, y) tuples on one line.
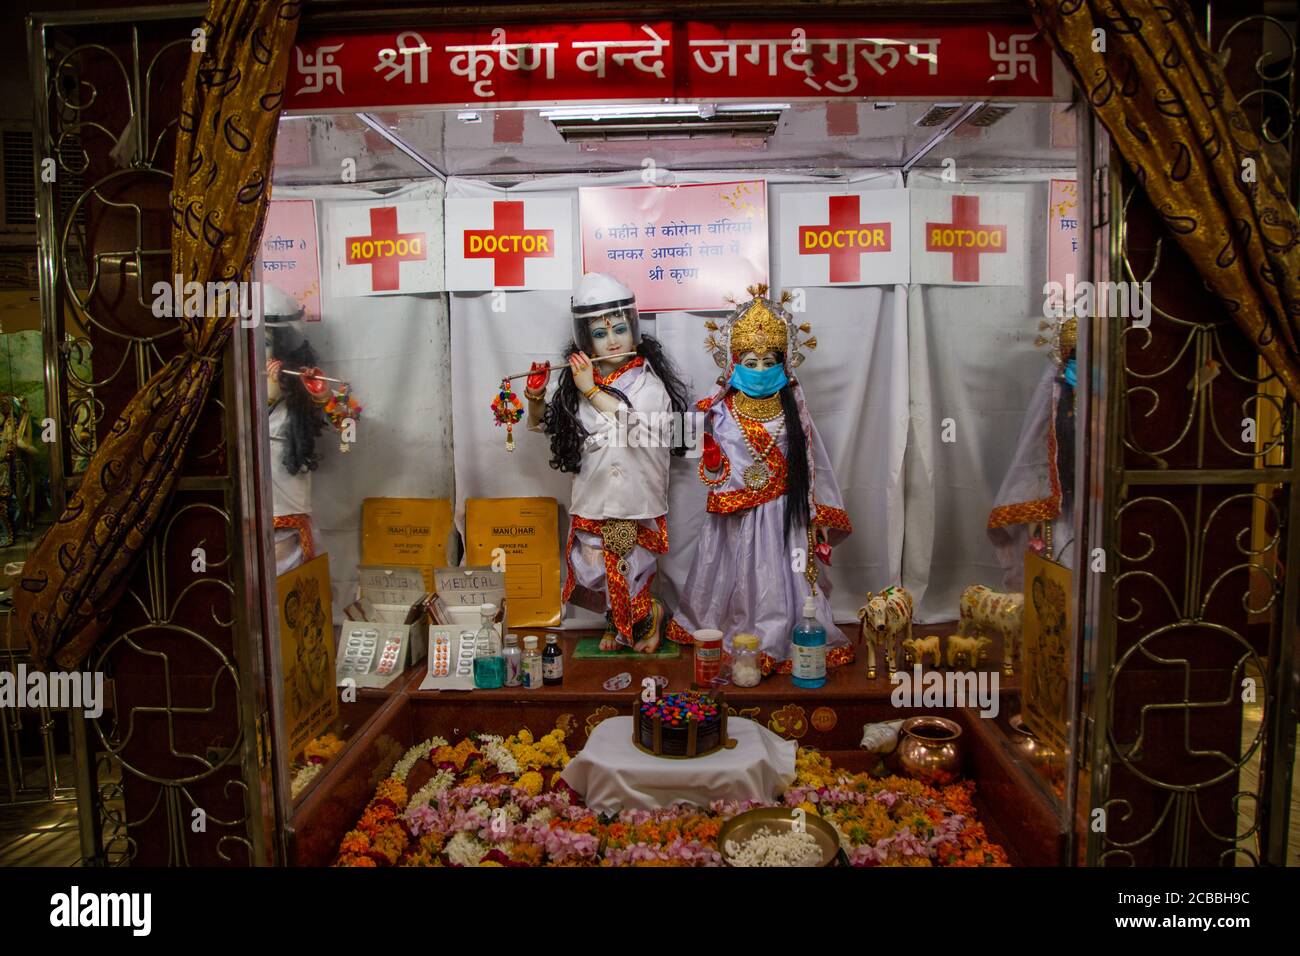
[(759, 409), (757, 475)]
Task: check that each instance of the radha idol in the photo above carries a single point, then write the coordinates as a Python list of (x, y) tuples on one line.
[(774, 508), (604, 420)]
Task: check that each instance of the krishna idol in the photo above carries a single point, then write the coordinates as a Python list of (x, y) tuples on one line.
[(774, 508), (601, 421)]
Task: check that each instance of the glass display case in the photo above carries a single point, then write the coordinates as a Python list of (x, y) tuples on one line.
[(947, 410)]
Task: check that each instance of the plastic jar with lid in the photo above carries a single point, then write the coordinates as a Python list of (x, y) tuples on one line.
[(745, 669)]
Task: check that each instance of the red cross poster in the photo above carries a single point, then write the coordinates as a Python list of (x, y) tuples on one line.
[(523, 243), (684, 247), (967, 238), (849, 237), (384, 248)]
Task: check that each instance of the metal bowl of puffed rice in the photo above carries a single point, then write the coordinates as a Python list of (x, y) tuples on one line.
[(779, 836)]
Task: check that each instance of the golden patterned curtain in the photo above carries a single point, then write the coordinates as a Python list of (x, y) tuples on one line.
[(1160, 92), (230, 109)]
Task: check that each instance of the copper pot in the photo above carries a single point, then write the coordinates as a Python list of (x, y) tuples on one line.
[(1030, 746), (928, 749)]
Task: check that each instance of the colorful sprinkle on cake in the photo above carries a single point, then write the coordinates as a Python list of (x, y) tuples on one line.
[(679, 708)]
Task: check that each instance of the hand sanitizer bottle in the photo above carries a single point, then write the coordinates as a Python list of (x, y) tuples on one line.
[(489, 667), (809, 640)]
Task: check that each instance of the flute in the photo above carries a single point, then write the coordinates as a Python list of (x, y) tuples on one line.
[(549, 368), (320, 378)]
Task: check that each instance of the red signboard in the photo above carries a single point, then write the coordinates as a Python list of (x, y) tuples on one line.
[(664, 61)]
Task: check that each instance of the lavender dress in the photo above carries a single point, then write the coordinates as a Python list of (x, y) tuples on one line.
[(743, 578)]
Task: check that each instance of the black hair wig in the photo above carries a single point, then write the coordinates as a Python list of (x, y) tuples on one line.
[(560, 419), (1065, 434), (306, 419), (796, 456)]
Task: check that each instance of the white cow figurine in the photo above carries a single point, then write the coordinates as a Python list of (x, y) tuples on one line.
[(885, 616), (985, 611)]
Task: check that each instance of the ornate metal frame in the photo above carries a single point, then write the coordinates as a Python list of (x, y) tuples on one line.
[(1123, 396), (60, 112), (1110, 398)]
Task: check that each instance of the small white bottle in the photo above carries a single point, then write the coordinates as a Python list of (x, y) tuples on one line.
[(514, 661), (531, 670)]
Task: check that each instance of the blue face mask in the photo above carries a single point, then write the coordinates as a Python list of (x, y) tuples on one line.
[(1071, 374), (758, 383)]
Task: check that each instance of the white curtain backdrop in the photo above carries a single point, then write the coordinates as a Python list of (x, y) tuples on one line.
[(855, 381), (971, 359), (393, 349), (892, 364)]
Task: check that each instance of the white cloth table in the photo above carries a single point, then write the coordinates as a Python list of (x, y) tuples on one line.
[(611, 773)]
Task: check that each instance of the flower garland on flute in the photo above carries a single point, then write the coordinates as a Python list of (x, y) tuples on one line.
[(507, 410), (342, 412)]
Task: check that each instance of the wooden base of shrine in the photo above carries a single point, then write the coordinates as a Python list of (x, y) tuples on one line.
[(1012, 800)]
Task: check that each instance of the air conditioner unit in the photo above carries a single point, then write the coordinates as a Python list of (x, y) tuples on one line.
[(665, 121)]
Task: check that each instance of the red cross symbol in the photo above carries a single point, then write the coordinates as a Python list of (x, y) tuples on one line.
[(844, 238), (508, 243), (385, 249), (966, 238)]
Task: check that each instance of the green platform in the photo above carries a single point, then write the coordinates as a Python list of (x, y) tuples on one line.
[(589, 650)]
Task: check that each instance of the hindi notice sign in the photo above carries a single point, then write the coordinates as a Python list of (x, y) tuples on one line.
[(678, 248), (288, 253), (1063, 231)]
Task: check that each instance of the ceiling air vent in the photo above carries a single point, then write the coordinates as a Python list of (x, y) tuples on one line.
[(669, 121), (988, 115), (939, 114), (18, 181), (18, 177)]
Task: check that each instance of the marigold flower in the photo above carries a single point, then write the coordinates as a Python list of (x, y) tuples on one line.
[(531, 783)]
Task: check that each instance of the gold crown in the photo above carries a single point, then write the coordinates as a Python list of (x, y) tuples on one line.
[(758, 324), (1063, 339), (759, 329), (1069, 335)]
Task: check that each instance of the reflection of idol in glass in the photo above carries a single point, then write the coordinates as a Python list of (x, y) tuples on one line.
[(1047, 669), (304, 613)]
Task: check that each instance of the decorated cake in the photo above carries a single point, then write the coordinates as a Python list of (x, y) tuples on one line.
[(685, 724)]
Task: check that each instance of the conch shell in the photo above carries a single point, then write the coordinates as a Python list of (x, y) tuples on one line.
[(881, 738)]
